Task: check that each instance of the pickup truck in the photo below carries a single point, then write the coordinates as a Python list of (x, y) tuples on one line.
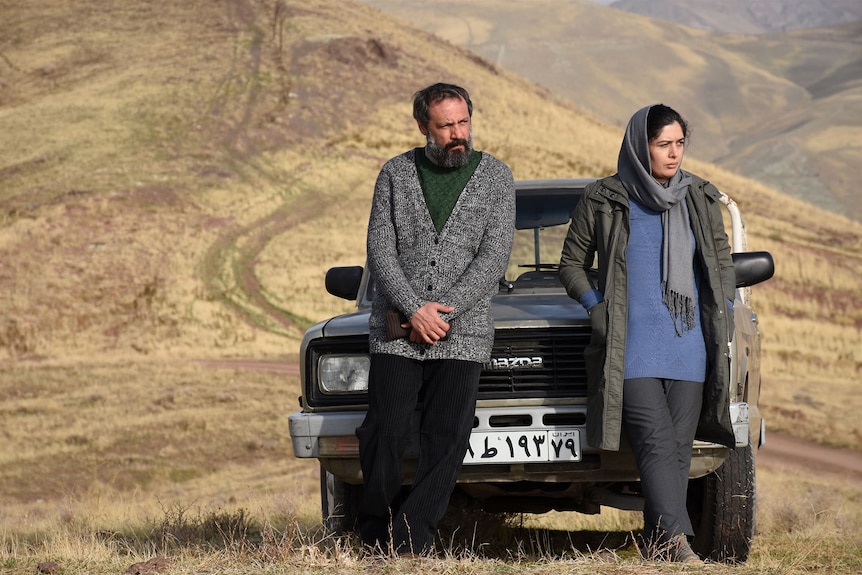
[(528, 450)]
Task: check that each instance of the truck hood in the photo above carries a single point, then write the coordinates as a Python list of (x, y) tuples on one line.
[(518, 309), (528, 309)]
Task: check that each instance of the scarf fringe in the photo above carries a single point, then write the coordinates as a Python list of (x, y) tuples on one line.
[(681, 309)]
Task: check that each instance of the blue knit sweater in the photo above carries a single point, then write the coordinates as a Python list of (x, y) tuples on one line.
[(653, 348)]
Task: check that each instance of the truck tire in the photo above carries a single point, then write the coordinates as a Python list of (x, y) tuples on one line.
[(722, 508), (339, 503)]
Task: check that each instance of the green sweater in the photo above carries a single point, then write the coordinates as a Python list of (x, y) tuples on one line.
[(442, 186)]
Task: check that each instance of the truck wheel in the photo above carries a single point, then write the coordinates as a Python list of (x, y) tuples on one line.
[(339, 503), (722, 507)]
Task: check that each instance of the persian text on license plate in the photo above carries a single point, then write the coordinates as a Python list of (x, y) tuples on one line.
[(523, 446)]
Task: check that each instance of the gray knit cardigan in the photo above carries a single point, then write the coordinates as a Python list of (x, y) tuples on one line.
[(460, 267)]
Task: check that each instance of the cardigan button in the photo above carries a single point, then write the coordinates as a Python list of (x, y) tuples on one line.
[(433, 263)]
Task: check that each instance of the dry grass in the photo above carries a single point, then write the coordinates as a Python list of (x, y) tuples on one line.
[(72, 430), (245, 513), (109, 464), (177, 177)]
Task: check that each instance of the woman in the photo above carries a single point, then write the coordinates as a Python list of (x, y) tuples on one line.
[(662, 317)]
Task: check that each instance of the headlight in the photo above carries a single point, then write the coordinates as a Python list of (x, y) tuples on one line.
[(344, 373)]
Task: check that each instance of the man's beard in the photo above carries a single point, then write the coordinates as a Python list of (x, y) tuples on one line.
[(444, 157)]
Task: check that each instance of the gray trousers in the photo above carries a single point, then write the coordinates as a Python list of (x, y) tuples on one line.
[(660, 419)]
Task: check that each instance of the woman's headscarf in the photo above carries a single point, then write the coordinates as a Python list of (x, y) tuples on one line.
[(635, 172)]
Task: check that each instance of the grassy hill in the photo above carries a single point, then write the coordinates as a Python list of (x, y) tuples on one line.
[(175, 178), (780, 108), (159, 162)]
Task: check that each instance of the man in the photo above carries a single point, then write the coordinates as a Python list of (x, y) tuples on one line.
[(439, 238)]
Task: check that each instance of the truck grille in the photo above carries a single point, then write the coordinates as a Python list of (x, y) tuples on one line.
[(536, 363)]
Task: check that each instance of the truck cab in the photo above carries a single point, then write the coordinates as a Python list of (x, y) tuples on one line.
[(528, 451)]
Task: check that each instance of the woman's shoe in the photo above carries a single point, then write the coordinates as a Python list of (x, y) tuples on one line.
[(681, 552)]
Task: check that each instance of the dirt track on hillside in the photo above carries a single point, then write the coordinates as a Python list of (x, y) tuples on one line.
[(786, 452), (780, 451)]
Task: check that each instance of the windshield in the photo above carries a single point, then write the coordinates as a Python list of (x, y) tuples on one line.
[(526, 258), (542, 221), (543, 209)]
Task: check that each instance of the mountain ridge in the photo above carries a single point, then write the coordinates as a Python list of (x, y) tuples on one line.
[(731, 87), (746, 16)]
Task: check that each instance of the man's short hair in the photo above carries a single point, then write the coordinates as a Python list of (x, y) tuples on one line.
[(423, 99)]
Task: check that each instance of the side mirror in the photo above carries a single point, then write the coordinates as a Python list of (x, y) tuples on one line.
[(752, 268), (344, 281)]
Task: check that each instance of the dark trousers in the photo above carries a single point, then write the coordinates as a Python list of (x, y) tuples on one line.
[(660, 420), (449, 389)]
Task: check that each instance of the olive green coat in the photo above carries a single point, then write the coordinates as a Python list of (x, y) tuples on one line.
[(600, 226)]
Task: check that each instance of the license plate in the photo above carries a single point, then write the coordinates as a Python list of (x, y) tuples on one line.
[(523, 446)]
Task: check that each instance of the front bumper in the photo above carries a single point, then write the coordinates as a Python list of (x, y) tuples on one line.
[(331, 438)]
